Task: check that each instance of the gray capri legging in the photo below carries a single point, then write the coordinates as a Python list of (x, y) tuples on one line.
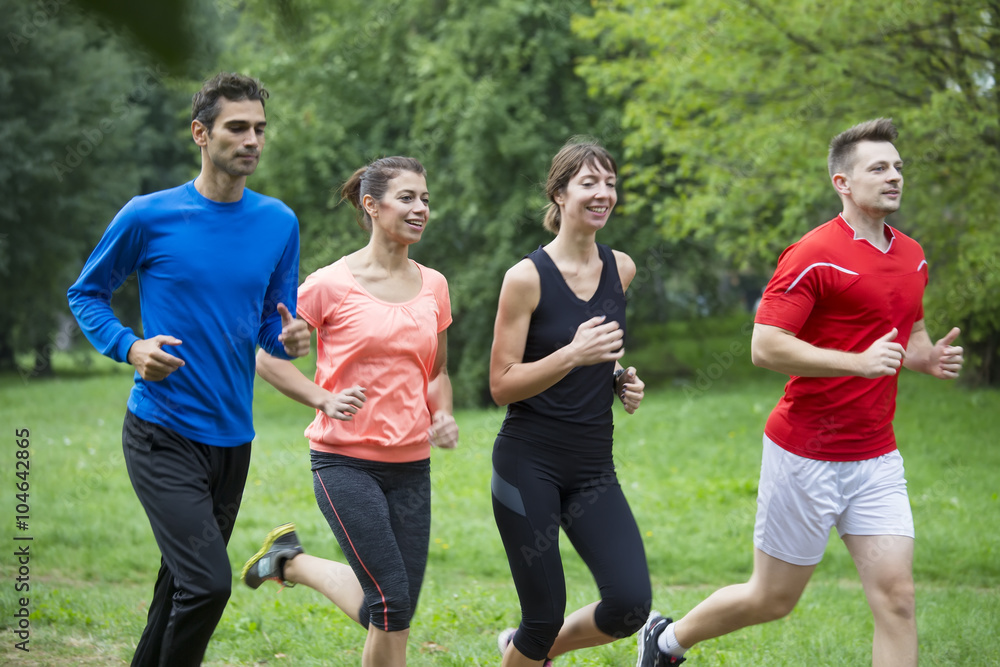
[(380, 514)]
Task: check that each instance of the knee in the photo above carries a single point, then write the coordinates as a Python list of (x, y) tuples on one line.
[(391, 614), (897, 599), (773, 607), (208, 594), (624, 616)]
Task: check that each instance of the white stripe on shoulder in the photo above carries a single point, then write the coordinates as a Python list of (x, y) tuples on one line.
[(922, 264), (813, 266)]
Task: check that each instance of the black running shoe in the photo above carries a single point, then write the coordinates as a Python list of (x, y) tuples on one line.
[(650, 654)]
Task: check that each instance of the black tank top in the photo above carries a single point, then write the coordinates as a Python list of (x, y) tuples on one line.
[(579, 405)]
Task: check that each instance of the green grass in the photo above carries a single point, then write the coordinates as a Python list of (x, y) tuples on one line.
[(688, 461)]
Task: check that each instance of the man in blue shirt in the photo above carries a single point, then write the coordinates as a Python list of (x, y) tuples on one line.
[(217, 266)]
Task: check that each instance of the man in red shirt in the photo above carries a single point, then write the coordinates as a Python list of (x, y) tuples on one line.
[(842, 313)]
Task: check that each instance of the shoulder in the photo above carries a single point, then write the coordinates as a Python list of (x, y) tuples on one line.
[(904, 241), (626, 266), (269, 205), (431, 277), (161, 199), (522, 275), (814, 245), (329, 274)]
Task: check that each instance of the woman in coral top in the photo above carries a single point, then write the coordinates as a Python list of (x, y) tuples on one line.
[(382, 398)]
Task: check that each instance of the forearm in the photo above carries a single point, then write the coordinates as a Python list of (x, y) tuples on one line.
[(289, 380), (439, 394), (784, 353), (524, 380), (919, 351)]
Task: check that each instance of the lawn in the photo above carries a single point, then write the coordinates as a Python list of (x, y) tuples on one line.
[(688, 461)]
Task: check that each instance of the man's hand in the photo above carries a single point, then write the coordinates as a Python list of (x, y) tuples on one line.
[(345, 405), (947, 359), (294, 333), (882, 358), (152, 362)]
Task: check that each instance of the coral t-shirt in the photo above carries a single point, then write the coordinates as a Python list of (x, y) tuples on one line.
[(836, 291), (387, 348)]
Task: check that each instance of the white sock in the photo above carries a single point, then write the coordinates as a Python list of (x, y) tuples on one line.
[(668, 643)]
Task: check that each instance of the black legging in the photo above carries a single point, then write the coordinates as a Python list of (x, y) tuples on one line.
[(381, 516), (536, 489)]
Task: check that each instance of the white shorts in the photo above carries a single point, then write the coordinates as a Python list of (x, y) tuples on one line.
[(799, 500)]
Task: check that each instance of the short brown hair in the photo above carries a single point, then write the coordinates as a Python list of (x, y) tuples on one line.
[(841, 157), (373, 180), (576, 153), (205, 105)]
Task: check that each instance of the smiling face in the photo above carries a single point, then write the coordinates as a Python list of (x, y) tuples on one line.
[(874, 183), (589, 197), (234, 143), (402, 213)]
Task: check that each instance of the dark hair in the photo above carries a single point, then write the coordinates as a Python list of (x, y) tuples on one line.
[(841, 157), (374, 180), (576, 153), (234, 87)]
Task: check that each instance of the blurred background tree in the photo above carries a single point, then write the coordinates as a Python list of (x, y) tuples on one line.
[(719, 113), (735, 103)]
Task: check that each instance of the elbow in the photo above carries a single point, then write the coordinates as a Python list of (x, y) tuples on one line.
[(498, 397), (497, 393), (263, 359), (758, 356)]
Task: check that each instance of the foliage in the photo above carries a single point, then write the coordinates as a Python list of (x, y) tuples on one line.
[(483, 95), (730, 105), (67, 121)]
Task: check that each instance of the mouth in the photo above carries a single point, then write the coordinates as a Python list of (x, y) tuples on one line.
[(416, 224), (599, 210)]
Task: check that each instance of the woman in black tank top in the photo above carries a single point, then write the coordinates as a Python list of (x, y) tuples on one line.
[(555, 363)]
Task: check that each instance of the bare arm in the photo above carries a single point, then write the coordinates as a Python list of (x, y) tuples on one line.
[(290, 381), (780, 350), (941, 360), (511, 379), (629, 388), (443, 432)]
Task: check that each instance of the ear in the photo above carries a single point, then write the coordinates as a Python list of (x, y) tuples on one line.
[(370, 205), (559, 197), (199, 132), (841, 184)]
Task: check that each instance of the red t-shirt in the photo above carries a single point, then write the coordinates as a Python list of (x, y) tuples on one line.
[(836, 291), (388, 348)]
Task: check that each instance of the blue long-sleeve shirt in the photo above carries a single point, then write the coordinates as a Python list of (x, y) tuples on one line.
[(210, 274)]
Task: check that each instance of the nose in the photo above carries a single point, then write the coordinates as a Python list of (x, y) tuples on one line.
[(250, 139)]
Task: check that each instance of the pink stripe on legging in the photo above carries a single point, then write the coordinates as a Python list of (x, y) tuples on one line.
[(385, 607)]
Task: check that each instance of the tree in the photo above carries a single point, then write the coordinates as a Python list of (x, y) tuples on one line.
[(68, 123), (731, 105), (483, 94)]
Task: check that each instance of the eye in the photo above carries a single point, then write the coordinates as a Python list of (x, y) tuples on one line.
[(426, 201)]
